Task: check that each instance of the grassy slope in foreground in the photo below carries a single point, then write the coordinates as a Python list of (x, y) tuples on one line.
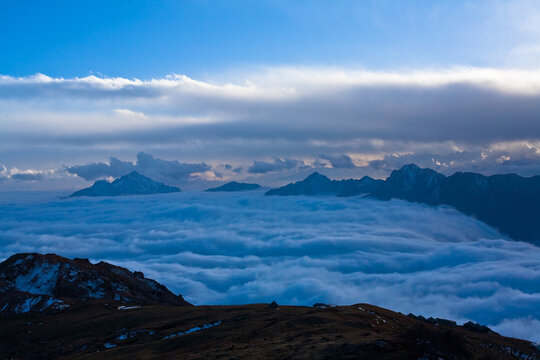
[(103, 331)]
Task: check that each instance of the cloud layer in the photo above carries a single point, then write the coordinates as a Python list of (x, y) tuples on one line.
[(146, 164), (242, 248), (289, 113)]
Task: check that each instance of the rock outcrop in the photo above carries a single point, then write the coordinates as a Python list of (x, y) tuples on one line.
[(35, 282)]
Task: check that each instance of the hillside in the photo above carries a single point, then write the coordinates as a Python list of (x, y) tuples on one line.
[(146, 321), (248, 332), (34, 283)]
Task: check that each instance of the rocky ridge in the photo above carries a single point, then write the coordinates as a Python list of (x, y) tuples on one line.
[(35, 283)]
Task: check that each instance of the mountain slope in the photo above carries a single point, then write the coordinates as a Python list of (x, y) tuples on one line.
[(89, 322), (509, 202), (235, 186), (130, 184), (260, 331), (34, 282)]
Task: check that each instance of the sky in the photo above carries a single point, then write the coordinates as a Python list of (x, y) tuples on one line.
[(226, 88), (200, 92)]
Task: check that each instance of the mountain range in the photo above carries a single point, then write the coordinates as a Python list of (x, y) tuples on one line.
[(508, 202)]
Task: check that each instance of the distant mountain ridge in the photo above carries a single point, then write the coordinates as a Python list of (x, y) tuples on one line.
[(34, 282), (130, 184), (234, 186), (508, 202), (318, 184)]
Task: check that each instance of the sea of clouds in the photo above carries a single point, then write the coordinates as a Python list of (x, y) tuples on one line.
[(219, 248)]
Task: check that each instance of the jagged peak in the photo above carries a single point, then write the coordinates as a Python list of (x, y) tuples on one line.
[(132, 183), (133, 173), (316, 175), (413, 170)]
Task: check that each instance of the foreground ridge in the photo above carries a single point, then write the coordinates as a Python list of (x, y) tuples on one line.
[(31, 283), (157, 328)]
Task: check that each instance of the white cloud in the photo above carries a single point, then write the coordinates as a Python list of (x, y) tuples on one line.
[(243, 248), (285, 112), (130, 113)]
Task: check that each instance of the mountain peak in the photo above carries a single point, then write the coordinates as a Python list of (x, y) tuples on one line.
[(410, 168), (129, 184), (319, 184), (133, 174), (316, 176)]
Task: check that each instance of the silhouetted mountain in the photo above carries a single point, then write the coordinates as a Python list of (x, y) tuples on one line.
[(411, 183), (235, 186), (35, 282), (318, 184), (130, 184), (353, 187), (509, 202)]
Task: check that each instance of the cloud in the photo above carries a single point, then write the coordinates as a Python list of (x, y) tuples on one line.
[(3, 172), (451, 119), (277, 164), (115, 168), (521, 158), (168, 168), (288, 112), (339, 161), (245, 248), (129, 113), (27, 176), (146, 164)]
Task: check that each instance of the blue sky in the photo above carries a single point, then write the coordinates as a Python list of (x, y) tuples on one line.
[(221, 85), (154, 38)]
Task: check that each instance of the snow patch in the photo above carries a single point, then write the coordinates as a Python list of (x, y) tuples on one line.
[(27, 305), (41, 280), (20, 261), (192, 330), (94, 288)]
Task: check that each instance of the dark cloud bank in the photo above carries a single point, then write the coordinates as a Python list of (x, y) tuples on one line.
[(146, 164), (243, 248)]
